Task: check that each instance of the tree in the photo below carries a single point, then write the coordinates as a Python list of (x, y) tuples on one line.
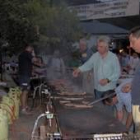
[(15, 26), (41, 21), (59, 27)]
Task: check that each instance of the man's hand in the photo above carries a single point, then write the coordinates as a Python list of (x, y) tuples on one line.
[(103, 82), (76, 72)]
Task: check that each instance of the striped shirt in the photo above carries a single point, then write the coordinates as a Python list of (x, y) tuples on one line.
[(124, 99)]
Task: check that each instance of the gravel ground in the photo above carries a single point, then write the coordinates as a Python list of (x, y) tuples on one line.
[(22, 128)]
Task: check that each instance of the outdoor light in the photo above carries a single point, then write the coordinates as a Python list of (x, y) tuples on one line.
[(121, 50)]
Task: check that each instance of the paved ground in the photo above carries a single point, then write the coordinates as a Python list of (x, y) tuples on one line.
[(22, 128)]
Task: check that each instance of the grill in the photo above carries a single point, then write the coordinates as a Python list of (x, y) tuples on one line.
[(115, 137), (70, 128), (95, 137), (86, 124)]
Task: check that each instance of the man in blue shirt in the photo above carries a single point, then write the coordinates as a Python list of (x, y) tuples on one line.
[(25, 62), (134, 38)]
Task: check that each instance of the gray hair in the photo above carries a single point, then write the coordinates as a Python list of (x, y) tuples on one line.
[(135, 32), (105, 39)]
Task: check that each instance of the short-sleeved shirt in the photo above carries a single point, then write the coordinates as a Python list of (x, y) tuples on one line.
[(124, 99), (25, 64), (136, 87)]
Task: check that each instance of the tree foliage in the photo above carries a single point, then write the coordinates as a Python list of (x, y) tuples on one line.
[(27, 21), (15, 26)]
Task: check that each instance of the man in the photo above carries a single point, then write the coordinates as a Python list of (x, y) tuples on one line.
[(134, 38), (105, 66), (121, 99), (25, 71), (84, 50)]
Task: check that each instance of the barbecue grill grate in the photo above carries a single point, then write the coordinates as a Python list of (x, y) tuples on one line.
[(99, 137)]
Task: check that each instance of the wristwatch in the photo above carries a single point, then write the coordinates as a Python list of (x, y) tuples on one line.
[(108, 81)]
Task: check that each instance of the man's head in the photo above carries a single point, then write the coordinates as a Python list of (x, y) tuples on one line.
[(83, 45), (103, 44), (111, 98), (29, 48), (134, 38)]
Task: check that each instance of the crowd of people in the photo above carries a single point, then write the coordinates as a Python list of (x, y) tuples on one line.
[(100, 71), (107, 69), (128, 62), (32, 69)]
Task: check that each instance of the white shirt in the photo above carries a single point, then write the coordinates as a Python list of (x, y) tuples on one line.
[(108, 67)]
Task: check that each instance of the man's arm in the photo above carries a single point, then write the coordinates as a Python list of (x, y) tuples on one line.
[(88, 65), (34, 60), (36, 63), (85, 67)]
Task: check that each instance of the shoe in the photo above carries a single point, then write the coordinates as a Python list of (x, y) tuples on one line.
[(26, 112), (28, 108)]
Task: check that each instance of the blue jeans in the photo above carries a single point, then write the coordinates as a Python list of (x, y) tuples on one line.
[(98, 94)]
